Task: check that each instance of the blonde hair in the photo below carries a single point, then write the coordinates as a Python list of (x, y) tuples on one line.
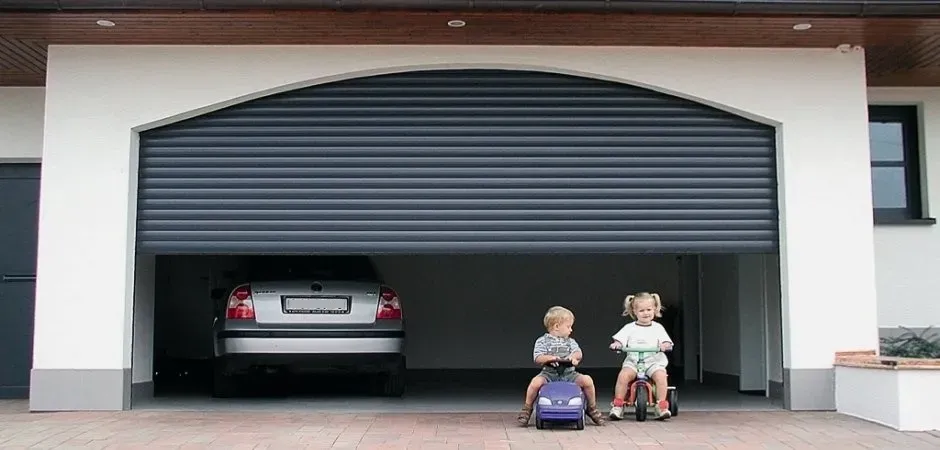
[(556, 315), (630, 301)]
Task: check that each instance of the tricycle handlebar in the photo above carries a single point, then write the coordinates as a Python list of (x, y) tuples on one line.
[(638, 350)]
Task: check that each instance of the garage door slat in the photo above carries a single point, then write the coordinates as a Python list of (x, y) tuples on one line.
[(370, 217), (243, 246), (508, 183), (453, 193), (462, 161)]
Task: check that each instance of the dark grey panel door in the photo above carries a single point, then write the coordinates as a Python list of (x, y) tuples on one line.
[(463, 161), (19, 216)]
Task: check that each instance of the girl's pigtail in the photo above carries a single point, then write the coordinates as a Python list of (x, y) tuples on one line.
[(628, 306), (658, 304)]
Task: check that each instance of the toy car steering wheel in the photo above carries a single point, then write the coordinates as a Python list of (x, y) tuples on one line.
[(560, 363)]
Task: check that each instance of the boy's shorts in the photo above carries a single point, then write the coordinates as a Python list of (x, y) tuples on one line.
[(651, 368), (553, 376)]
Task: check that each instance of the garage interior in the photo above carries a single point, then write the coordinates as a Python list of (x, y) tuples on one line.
[(484, 197), (472, 321)]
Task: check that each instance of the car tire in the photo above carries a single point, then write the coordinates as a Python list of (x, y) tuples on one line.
[(394, 381), (223, 384)]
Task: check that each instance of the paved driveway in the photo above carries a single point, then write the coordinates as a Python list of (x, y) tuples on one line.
[(259, 430)]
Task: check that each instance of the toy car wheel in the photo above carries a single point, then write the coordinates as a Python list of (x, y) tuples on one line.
[(641, 402), (673, 397), (539, 424), (580, 423)]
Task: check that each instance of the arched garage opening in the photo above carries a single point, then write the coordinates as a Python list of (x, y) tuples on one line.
[(481, 197)]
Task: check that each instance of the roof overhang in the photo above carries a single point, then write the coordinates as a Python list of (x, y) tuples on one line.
[(835, 8)]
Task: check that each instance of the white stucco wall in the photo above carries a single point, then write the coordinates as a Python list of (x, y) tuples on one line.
[(906, 256), (96, 96), (21, 118), (904, 399)]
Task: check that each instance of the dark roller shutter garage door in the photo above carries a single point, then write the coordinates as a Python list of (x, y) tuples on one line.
[(465, 161)]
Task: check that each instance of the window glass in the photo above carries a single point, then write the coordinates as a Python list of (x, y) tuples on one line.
[(887, 141), (889, 188)]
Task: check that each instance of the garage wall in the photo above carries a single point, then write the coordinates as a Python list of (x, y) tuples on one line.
[(774, 324), (94, 103), (720, 329), (741, 328), (489, 308), (480, 311), (21, 118), (144, 303), (906, 256)]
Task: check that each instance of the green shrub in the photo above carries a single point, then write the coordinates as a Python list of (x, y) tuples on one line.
[(912, 345)]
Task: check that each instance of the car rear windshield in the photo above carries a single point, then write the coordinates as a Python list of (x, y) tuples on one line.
[(353, 268)]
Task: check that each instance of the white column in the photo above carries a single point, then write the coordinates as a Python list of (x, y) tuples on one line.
[(827, 256), (85, 267)]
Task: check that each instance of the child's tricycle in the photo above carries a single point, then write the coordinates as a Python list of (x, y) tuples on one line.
[(560, 402), (641, 394)]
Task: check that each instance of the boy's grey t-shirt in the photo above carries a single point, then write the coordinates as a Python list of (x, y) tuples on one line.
[(555, 346)]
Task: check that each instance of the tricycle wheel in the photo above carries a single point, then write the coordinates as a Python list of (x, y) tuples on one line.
[(641, 402), (673, 397)]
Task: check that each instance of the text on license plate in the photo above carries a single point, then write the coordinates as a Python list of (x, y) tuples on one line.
[(318, 305)]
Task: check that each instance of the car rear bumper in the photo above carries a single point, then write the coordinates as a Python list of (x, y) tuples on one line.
[(309, 342), (313, 363)]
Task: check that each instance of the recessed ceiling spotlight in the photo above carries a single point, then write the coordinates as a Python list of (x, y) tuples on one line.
[(456, 23), (802, 26), (105, 23)]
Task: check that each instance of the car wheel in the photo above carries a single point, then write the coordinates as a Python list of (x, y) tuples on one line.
[(223, 385), (394, 381)]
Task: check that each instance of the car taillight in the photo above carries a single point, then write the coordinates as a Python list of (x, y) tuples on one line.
[(240, 305), (389, 304)]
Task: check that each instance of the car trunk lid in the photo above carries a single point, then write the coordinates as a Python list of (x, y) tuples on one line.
[(314, 302)]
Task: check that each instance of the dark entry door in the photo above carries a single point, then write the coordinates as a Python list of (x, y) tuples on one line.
[(19, 218)]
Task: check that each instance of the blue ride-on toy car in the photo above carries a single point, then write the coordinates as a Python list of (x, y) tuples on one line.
[(560, 402)]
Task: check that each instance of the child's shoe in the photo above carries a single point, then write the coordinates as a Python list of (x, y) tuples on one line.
[(524, 415), (662, 410), (596, 416), (616, 409)]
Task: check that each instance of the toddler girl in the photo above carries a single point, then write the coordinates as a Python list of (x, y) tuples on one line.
[(643, 332)]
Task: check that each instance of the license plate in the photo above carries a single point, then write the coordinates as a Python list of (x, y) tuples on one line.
[(316, 305)]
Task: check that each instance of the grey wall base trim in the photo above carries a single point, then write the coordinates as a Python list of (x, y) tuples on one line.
[(809, 389), (721, 379), (776, 390), (141, 391), (80, 390)]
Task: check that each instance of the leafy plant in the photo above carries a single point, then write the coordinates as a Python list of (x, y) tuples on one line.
[(912, 345)]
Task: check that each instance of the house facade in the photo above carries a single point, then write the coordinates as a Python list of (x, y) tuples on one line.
[(825, 131)]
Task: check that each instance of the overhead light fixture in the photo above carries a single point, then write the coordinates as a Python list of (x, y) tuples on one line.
[(456, 23), (802, 26), (105, 23)]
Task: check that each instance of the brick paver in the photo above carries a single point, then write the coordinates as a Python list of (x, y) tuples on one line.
[(317, 430)]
